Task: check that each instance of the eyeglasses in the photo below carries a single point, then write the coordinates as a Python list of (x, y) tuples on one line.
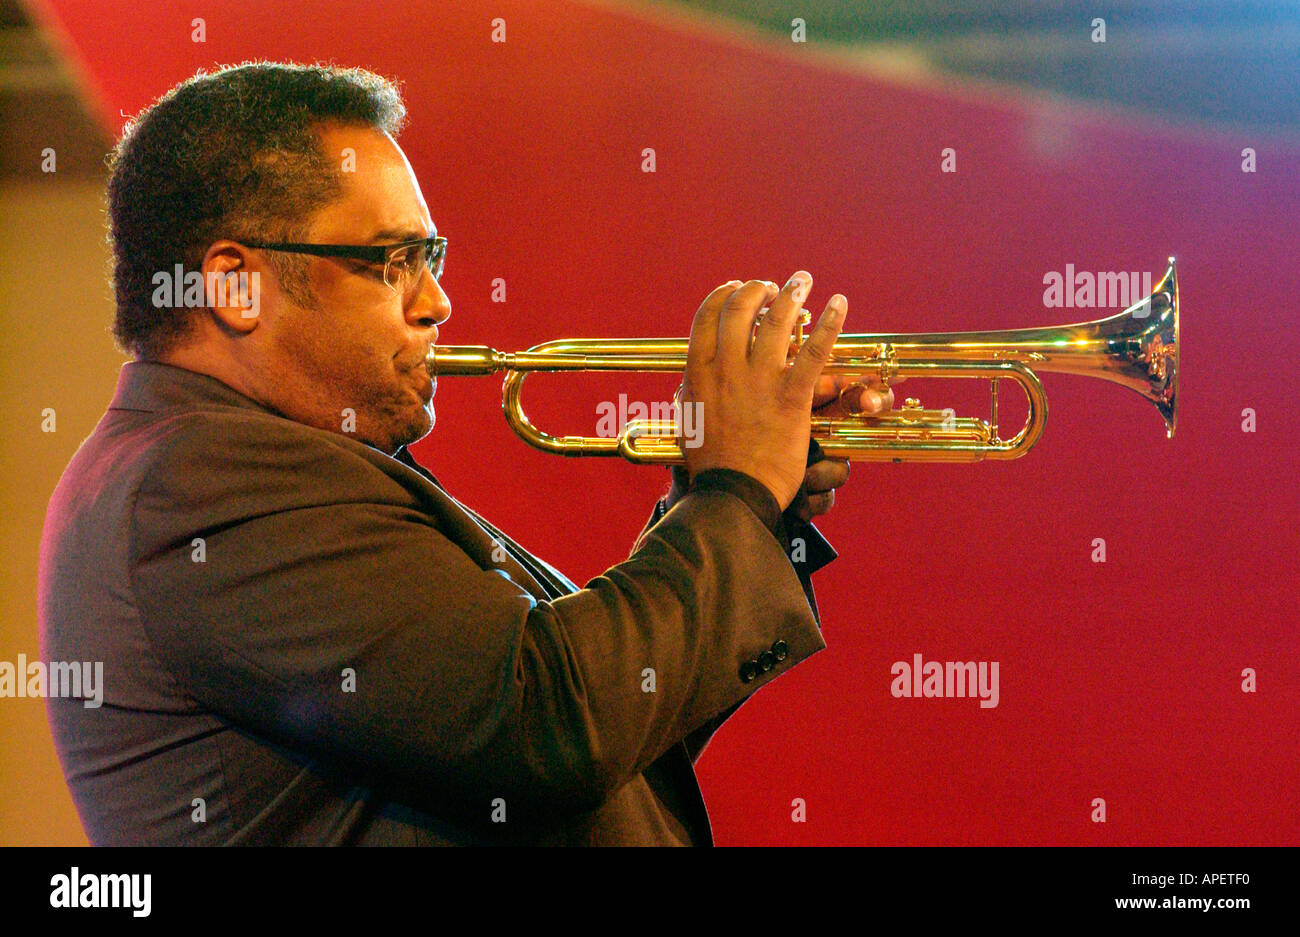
[(401, 262)]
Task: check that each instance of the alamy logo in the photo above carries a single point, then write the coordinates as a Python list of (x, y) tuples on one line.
[(946, 679), (1102, 290), (76, 890), (612, 417), (57, 679), (178, 289)]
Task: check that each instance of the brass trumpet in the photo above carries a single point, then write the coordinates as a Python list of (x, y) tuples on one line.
[(1137, 348)]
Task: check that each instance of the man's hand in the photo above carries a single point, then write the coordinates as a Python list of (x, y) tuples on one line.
[(833, 395), (755, 409)]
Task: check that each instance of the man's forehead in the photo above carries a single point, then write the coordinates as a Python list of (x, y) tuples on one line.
[(381, 199)]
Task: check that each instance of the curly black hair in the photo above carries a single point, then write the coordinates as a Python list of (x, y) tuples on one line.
[(235, 153)]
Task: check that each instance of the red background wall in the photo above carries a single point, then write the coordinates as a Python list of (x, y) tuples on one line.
[(1118, 680)]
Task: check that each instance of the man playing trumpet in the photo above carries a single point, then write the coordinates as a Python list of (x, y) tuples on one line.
[(305, 638)]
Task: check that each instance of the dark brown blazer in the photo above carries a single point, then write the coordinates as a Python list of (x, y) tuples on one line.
[(306, 640)]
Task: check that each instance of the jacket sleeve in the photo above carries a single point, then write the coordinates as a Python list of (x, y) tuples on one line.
[(302, 594), (803, 543)]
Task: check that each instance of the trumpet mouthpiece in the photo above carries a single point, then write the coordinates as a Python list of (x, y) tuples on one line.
[(463, 359)]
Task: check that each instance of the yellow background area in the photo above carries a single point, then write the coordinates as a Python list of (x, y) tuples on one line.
[(55, 351)]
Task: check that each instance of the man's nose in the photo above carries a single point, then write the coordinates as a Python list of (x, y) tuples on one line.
[(430, 306)]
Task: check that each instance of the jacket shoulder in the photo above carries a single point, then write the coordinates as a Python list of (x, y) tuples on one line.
[(232, 452)]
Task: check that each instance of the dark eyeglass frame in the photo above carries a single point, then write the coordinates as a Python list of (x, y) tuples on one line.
[(435, 252)]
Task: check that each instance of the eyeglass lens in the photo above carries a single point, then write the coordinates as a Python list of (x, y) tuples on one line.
[(403, 269)]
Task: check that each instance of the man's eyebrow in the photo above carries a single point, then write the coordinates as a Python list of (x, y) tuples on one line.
[(400, 234)]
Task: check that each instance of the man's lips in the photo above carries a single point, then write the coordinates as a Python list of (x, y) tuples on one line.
[(427, 383)]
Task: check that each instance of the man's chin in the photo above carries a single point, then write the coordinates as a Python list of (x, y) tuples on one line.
[(418, 428)]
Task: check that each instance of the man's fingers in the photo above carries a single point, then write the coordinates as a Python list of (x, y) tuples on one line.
[(814, 505), (773, 340), (826, 475), (818, 493), (829, 387), (816, 350), (736, 324), (863, 400), (704, 327)]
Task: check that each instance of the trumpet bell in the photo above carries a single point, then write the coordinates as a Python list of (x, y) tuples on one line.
[(1152, 353)]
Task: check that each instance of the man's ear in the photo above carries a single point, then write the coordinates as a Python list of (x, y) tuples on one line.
[(232, 285)]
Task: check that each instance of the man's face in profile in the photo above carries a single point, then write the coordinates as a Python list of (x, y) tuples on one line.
[(360, 347)]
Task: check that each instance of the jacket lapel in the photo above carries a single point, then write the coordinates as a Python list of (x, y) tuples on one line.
[(484, 543)]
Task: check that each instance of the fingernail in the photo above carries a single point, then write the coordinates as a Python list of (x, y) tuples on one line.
[(839, 303), (799, 285)]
